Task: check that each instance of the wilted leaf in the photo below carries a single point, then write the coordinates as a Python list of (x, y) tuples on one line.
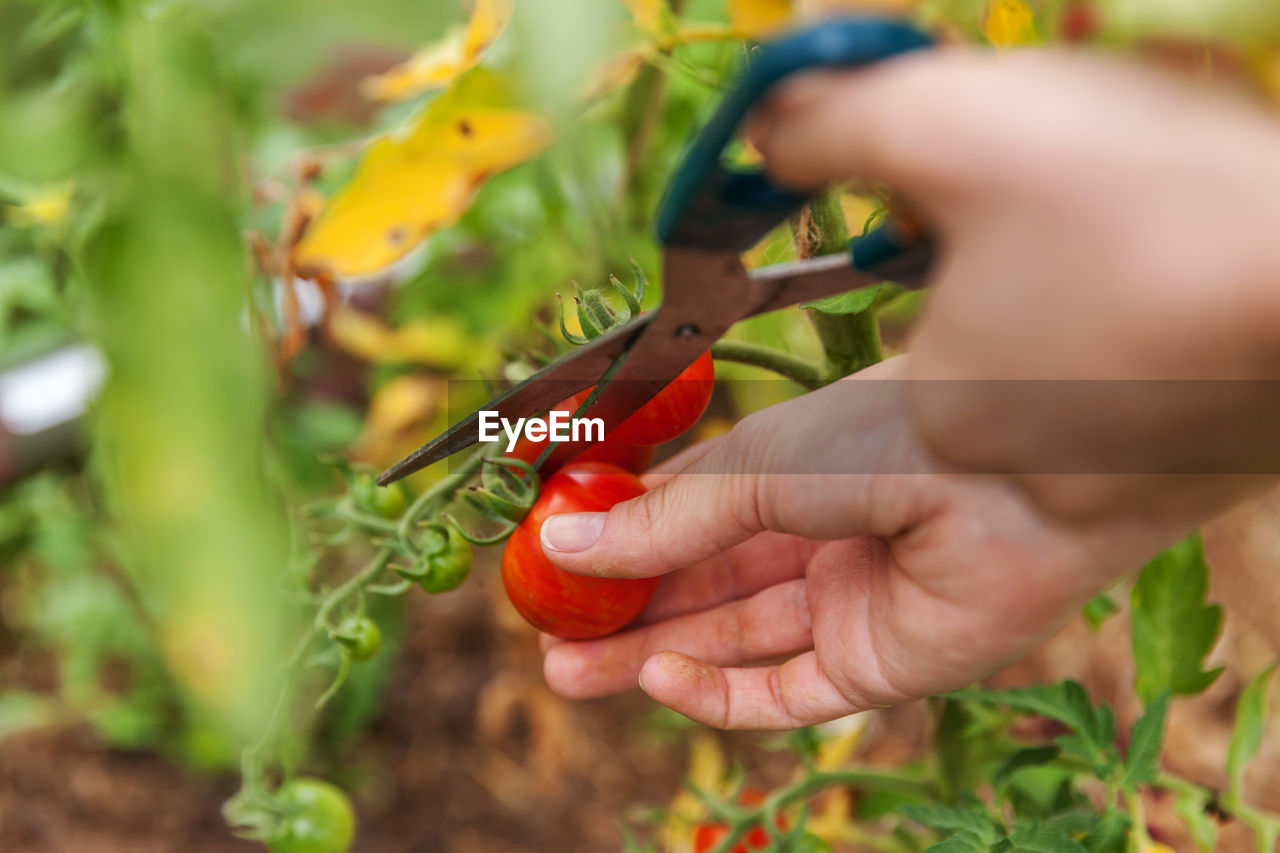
[(1172, 628), (440, 342), (1010, 23), (410, 185), (1251, 722), (438, 65), (1143, 760), (758, 18)]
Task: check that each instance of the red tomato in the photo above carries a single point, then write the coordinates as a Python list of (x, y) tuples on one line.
[(707, 836), (572, 607), (633, 457), (675, 408)]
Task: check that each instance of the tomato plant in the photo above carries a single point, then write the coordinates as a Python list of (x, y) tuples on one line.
[(572, 607), (708, 836), (317, 818)]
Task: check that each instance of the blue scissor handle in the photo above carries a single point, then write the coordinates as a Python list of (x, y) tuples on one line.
[(708, 206)]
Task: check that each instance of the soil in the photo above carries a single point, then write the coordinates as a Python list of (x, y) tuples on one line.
[(470, 753)]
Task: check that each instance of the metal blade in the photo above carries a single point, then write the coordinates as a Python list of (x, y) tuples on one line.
[(561, 379), (704, 294)]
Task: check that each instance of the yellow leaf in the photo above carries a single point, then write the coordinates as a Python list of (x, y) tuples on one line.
[(757, 18), (616, 71), (706, 773), (43, 208), (397, 415), (439, 64), (409, 186), (1010, 23), (441, 342), (649, 15)]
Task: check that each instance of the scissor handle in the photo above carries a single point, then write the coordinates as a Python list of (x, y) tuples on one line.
[(708, 206)]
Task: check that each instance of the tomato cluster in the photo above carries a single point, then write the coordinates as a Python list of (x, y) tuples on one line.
[(576, 607), (709, 836)]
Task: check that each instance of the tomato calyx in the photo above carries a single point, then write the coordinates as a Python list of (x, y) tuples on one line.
[(443, 560), (359, 636), (596, 315)]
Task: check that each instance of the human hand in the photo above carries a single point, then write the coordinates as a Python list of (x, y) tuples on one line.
[(1098, 219), (889, 582)]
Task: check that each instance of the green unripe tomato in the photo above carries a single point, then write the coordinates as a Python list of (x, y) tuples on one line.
[(385, 501), (360, 636), (447, 568), (317, 818)]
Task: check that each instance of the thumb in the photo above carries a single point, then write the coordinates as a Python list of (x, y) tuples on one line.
[(688, 518)]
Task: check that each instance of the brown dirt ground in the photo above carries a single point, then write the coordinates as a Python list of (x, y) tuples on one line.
[(472, 754)]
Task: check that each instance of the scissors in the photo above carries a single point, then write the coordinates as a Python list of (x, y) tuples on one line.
[(710, 215)]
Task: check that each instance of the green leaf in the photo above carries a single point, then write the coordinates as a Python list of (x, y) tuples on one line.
[(1032, 756), (1194, 811), (1068, 703), (962, 842), (1143, 760), (1108, 834), (1098, 608), (1038, 839), (971, 818), (856, 301), (1251, 722), (1172, 628)]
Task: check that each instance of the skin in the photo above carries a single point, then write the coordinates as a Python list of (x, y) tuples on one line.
[(1098, 219)]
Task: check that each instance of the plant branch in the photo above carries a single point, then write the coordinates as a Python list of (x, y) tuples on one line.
[(782, 363)]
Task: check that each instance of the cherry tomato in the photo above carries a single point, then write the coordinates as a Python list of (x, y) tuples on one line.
[(360, 635), (632, 457), (387, 502), (708, 836), (572, 607), (317, 818), (447, 569), (675, 408)]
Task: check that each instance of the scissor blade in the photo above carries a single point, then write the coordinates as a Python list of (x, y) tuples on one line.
[(704, 294), (561, 379)]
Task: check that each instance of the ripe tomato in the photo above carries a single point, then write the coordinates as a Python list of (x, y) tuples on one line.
[(572, 607), (675, 408), (632, 457), (317, 819), (708, 836), (360, 636)]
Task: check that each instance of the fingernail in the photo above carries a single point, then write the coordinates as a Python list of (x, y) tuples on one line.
[(576, 531)]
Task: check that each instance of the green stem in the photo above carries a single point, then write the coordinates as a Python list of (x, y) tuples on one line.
[(851, 342), (1265, 826), (445, 488), (784, 364)]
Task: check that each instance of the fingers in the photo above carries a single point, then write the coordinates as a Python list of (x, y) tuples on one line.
[(760, 562), (681, 522), (771, 623), (881, 123), (789, 696)]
